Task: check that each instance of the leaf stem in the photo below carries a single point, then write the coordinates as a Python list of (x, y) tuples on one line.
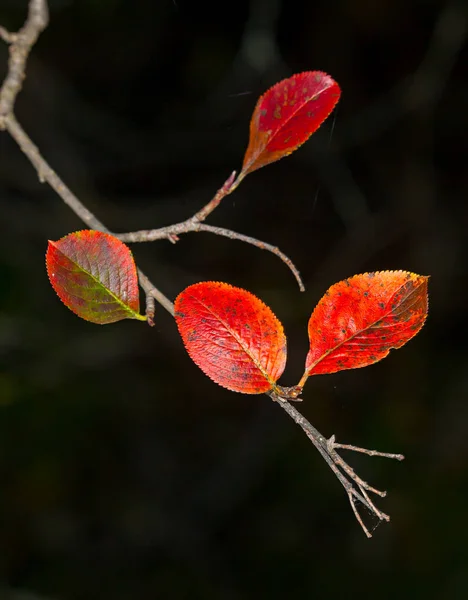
[(303, 379), (223, 191)]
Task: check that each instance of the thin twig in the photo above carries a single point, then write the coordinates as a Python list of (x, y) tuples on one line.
[(195, 224), (365, 450), (171, 232), (154, 292), (21, 44), (355, 487), (233, 235), (223, 191)]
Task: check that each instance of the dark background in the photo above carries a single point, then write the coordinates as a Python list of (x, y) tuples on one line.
[(125, 473)]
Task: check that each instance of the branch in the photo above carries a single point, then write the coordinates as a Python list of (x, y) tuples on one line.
[(193, 224), (228, 186), (20, 47), (356, 488)]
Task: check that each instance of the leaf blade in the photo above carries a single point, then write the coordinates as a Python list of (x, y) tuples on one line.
[(287, 115), (94, 275), (232, 336), (359, 320)]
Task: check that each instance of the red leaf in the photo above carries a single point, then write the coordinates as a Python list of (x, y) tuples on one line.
[(287, 115), (232, 336), (359, 320), (94, 275)]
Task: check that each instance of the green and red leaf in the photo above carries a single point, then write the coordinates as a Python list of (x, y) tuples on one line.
[(232, 336), (94, 275), (359, 320), (287, 115)]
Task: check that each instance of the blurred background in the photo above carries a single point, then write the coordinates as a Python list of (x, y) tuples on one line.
[(124, 472)]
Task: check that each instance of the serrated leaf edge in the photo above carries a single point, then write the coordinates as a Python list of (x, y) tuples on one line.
[(265, 375), (245, 168), (132, 314), (425, 279)]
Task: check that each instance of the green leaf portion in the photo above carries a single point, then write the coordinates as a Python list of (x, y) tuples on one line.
[(94, 275)]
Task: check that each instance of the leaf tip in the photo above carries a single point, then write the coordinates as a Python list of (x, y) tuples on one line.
[(287, 114)]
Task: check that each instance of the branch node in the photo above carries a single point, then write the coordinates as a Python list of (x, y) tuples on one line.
[(150, 306)]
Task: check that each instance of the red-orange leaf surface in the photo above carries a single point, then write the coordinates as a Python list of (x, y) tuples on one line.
[(94, 275), (287, 115), (360, 319), (232, 336)]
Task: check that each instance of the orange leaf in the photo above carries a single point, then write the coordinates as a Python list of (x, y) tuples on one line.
[(287, 115), (359, 320), (232, 336)]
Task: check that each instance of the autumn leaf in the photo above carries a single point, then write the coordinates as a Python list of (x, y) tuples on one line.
[(359, 320), (287, 115), (232, 336), (94, 275)]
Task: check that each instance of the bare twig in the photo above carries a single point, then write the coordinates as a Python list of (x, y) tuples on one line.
[(153, 292), (355, 487), (21, 44), (171, 232), (365, 450), (223, 191), (195, 224)]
